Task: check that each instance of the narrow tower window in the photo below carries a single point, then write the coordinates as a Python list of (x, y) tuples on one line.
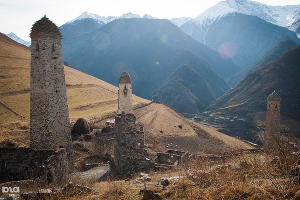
[(125, 90), (54, 52), (37, 50)]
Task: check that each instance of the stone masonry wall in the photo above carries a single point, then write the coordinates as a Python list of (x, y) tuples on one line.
[(104, 144), (49, 116), (272, 132), (129, 155), (125, 98), (45, 166)]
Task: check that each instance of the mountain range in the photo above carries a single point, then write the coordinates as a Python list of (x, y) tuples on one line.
[(244, 38), (248, 99), (283, 16), (151, 50), (178, 21)]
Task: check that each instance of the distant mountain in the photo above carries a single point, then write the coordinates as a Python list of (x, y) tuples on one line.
[(244, 38), (279, 15), (270, 56), (105, 20), (248, 99), (191, 89), (149, 49), (18, 39), (87, 15), (180, 20)]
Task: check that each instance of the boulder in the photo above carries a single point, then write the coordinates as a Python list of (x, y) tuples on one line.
[(81, 127), (150, 195)]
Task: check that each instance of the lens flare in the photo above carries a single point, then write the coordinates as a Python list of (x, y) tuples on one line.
[(164, 38), (227, 50)]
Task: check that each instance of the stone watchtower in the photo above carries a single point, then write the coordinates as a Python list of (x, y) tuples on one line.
[(272, 131), (49, 116), (125, 94)]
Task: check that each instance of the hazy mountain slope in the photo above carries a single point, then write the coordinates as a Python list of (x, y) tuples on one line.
[(149, 49), (279, 15), (188, 91), (18, 39), (248, 98), (96, 100), (277, 51), (246, 38)]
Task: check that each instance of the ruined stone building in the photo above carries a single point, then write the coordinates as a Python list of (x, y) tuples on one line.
[(272, 130), (125, 94), (124, 142), (50, 156)]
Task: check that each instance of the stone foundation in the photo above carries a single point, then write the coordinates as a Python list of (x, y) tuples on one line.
[(43, 166)]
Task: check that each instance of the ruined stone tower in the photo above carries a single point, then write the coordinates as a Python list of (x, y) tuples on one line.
[(125, 94), (272, 131), (49, 116)]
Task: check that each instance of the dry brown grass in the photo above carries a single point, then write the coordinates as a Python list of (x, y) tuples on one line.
[(237, 177)]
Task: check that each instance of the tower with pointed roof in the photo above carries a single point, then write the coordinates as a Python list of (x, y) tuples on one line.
[(272, 130), (125, 94), (49, 115)]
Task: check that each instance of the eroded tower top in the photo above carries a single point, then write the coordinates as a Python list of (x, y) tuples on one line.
[(44, 28), (125, 78)]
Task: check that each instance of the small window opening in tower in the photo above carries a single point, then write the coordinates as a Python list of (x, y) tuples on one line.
[(54, 54), (37, 50), (56, 91), (125, 90)]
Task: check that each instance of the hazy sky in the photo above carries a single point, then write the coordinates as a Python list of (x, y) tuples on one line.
[(18, 15)]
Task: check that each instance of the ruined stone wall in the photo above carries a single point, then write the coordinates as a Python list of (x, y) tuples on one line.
[(45, 166), (168, 159), (104, 144), (49, 116), (125, 98), (130, 155), (272, 131)]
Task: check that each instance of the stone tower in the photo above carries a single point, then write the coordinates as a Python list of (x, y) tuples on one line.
[(125, 94), (272, 131), (49, 115)]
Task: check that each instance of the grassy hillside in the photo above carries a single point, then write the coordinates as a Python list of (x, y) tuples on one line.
[(95, 100), (88, 96), (188, 91)]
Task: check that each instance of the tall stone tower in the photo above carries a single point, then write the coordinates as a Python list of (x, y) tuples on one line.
[(125, 94), (272, 131), (49, 115)]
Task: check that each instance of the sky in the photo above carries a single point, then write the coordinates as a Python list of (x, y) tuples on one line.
[(18, 15)]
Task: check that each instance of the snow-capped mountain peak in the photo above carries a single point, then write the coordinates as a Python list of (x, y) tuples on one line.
[(129, 15), (101, 19), (18, 39), (280, 15)]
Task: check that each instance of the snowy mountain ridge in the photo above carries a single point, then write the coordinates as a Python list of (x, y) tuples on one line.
[(85, 15), (18, 39), (105, 20), (279, 15)]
